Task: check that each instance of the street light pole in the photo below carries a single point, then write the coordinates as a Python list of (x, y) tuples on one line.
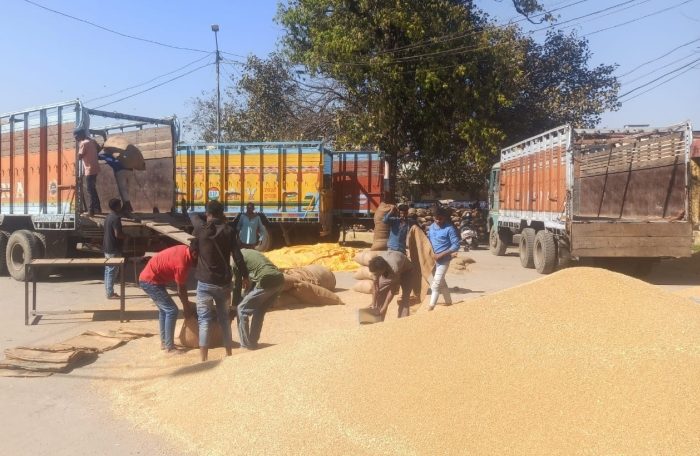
[(215, 29)]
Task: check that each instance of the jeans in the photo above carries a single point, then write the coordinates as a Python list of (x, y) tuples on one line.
[(94, 199), (167, 312), (111, 274), (211, 300), (121, 177), (253, 307), (439, 285)]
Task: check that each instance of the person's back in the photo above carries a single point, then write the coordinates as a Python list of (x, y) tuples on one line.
[(169, 265), (399, 224), (398, 262), (262, 271), (215, 241), (111, 243)]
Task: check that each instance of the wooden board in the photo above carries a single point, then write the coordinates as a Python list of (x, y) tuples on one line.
[(631, 239), (622, 229)]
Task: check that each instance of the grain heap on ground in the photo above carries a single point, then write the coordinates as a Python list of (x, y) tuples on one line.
[(332, 256), (584, 361)]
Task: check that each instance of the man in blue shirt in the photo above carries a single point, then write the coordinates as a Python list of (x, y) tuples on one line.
[(445, 241), (121, 176), (399, 224)]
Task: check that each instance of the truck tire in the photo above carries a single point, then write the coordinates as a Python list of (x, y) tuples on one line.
[(497, 243), (4, 236), (22, 247), (545, 254), (527, 247)]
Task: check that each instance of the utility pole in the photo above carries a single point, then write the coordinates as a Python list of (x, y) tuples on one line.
[(215, 29)]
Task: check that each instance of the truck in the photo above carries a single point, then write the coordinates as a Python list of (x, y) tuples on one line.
[(604, 195), (307, 191), (42, 199)]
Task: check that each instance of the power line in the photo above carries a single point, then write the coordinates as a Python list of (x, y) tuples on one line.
[(660, 68), (640, 18), (646, 84), (149, 81), (155, 86), (656, 59), (610, 13), (661, 83)]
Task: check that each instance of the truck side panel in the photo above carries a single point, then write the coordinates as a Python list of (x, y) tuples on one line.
[(37, 162), (533, 183), (283, 180), (357, 182), (630, 239)]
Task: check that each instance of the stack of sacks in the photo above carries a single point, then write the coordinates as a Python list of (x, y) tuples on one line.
[(365, 279), (381, 229), (313, 284)]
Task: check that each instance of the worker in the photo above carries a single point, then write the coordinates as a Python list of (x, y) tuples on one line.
[(399, 224), (87, 153), (215, 243), (268, 282), (112, 244), (170, 265), (250, 227), (121, 176), (445, 242), (391, 269)]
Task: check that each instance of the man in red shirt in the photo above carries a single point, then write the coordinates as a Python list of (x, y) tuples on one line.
[(170, 265)]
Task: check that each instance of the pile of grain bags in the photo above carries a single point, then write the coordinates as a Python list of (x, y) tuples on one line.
[(381, 229), (364, 279), (309, 285), (583, 361)]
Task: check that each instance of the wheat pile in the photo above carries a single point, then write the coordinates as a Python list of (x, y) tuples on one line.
[(583, 361), (332, 256)]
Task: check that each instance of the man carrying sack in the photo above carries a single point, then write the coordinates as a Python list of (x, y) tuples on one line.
[(123, 158)]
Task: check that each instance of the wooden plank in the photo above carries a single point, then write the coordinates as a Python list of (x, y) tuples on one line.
[(612, 243), (623, 229), (635, 252)]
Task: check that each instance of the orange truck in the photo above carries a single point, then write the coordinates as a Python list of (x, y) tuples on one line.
[(611, 195), (305, 190)]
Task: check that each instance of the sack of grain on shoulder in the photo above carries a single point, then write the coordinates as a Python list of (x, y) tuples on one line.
[(381, 229)]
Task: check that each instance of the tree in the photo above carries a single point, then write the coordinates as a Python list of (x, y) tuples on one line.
[(435, 84), (267, 103)]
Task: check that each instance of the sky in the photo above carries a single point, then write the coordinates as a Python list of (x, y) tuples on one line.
[(49, 58)]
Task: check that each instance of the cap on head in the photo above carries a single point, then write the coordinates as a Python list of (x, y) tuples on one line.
[(215, 208)]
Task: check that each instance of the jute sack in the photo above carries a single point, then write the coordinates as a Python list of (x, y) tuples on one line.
[(363, 274), (364, 286), (363, 258), (128, 155), (309, 293), (315, 274), (381, 229), (286, 300), (189, 333)]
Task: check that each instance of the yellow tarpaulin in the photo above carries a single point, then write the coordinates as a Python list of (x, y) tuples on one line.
[(332, 256)]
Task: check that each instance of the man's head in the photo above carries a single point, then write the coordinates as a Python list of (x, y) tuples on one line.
[(403, 210), (442, 215), (194, 253), (79, 134), (215, 210), (378, 266), (250, 208), (115, 204)]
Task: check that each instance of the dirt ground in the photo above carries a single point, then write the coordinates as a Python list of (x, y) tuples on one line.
[(69, 414)]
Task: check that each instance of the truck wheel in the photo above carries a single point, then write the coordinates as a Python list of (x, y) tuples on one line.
[(497, 243), (22, 247), (4, 235), (527, 247), (545, 254)]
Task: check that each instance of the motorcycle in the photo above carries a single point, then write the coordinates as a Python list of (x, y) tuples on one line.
[(469, 236)]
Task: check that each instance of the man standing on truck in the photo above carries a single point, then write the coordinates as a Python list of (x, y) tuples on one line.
[(445, 241), (112, 244), (215, 244), (87, 153), (169, 265), (399, 224), (268, 282), (250, 227), (121, 175)]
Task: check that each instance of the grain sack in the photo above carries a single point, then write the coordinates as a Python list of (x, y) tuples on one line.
[(364, 257), (286, 301), (363, 274), (364, 286), (308, 293), (315, 274), (189, 333), (128, 155), (381, 229)]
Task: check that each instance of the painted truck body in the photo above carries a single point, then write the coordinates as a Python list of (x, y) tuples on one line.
[(305, 189), (41, 192), (593, 194)]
